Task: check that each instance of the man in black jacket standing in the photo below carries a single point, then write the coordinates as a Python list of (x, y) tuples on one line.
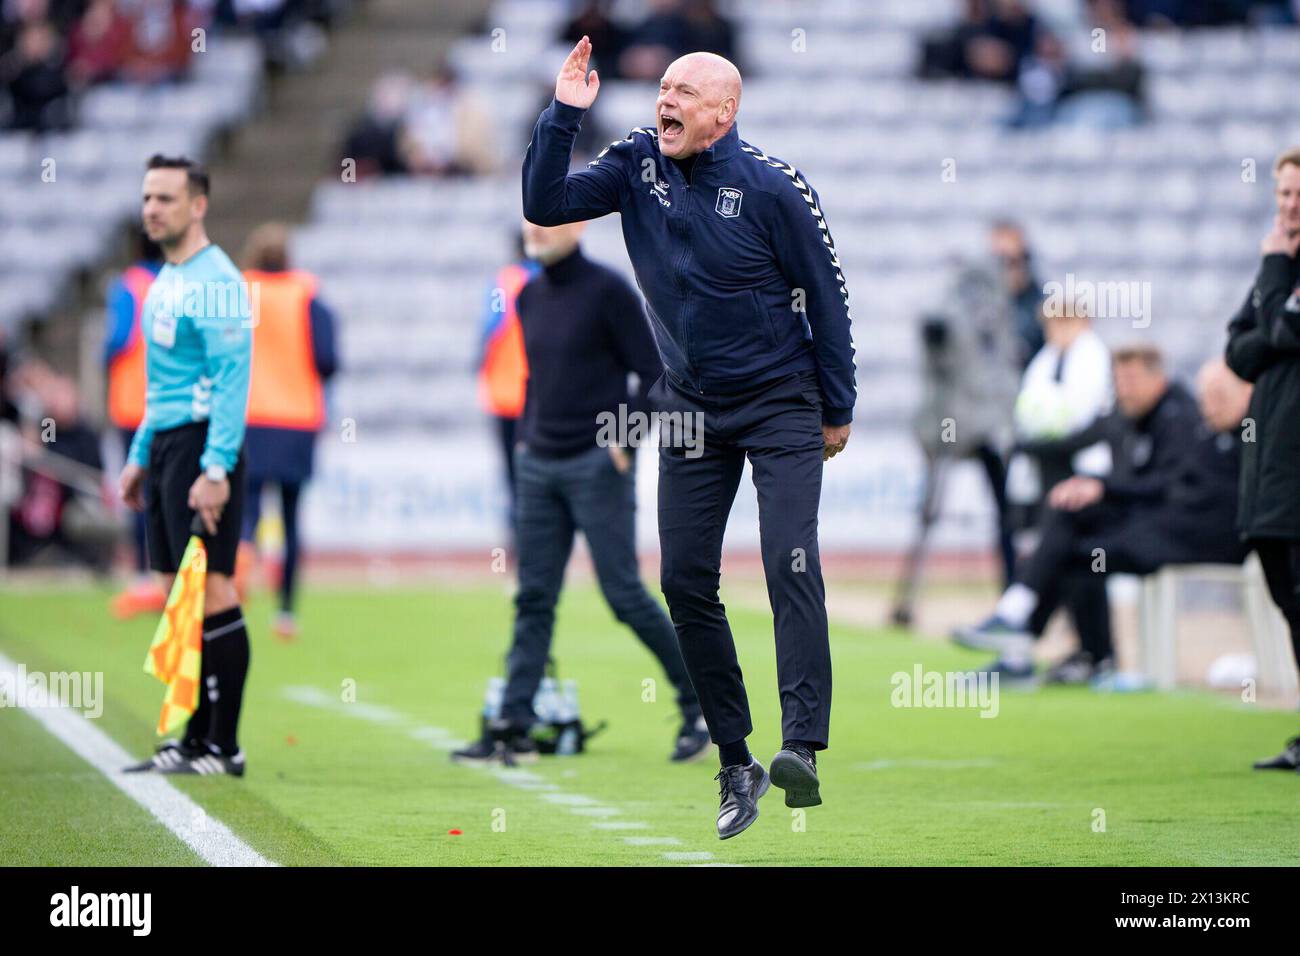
[(1264, 348), (750, 311), (584, 332)]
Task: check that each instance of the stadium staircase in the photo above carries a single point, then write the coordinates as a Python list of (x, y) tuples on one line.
[(275, 160)]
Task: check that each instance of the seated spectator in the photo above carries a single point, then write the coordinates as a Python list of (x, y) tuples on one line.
[(1065, 389), (8, 410), (159, 51), (17, 15), (1106, 94), (446, 131), (56, 510), (1171, 498), (33, 74), (607, 38), (98, 44), (674, 28), (373, 142), (1209, 13), (990, 43)]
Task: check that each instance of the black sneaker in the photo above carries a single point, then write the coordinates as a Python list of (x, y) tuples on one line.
[(988, 635), (693, 741), (169, 753), (1288, 759), (739, 788), (209, 764), (1078, 668), (504, 744), (794, 770)]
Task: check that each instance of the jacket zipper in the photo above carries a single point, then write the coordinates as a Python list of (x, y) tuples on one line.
[(681, 263)]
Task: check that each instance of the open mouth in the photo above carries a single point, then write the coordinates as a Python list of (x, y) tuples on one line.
[(672, 127)]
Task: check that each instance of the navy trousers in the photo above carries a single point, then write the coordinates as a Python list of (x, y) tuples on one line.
[(778, 427), (554, 498)]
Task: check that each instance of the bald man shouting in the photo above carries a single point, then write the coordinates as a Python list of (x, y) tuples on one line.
[(750, 312)]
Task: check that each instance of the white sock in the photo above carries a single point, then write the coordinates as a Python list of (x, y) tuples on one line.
[(1017, 650), (1016, 604)]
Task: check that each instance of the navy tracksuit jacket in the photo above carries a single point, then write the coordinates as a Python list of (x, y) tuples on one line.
[(750, 312), (718, 259)]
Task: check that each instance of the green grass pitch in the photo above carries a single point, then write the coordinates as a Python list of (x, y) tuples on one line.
[(334, 782)]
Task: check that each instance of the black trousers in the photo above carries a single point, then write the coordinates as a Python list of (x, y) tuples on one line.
[(995, 470), (779, 429), (1079, 548), (1280, 559)]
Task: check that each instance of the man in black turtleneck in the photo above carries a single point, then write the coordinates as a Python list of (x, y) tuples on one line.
[(585, 331)]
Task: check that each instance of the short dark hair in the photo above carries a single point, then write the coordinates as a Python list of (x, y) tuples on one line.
[(196, 174), (1149, 355)]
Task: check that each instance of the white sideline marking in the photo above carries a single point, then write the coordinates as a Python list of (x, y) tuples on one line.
[(440, 738), (208, 837), (570, 799), (519, 777)]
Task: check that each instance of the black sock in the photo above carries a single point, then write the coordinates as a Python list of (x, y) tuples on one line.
[(199, 727), (807, 745), (225, 665), (732, 754)]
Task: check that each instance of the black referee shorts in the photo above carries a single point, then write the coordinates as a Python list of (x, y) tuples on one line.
[(173, 467)]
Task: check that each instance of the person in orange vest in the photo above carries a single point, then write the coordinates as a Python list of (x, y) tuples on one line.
[(294, 354), (502, 367), (124, 363)]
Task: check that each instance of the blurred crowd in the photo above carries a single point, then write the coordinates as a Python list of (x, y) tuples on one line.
[(1007, 42), (55, 502), (643, 50), (432, 125), (422, 126), (51, 50)]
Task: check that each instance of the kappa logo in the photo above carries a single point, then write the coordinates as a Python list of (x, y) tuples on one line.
[(728, 205)]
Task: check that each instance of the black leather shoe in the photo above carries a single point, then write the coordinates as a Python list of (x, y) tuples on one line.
[(1288, 759), (794, 770), (739, 787)]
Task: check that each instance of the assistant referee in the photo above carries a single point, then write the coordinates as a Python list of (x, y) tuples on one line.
[(186, 457), (750, 312)]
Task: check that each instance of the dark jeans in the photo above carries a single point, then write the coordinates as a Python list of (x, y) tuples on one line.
[(556, 497), (290, 496), (779, 429), (1280, 559), (505, 429)]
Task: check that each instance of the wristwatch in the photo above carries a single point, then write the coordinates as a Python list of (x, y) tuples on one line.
[(215, 473)]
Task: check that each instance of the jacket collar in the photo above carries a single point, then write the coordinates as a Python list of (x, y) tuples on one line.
[(721, 151)]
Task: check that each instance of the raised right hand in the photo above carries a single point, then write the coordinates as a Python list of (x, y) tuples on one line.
[(572, 85)]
